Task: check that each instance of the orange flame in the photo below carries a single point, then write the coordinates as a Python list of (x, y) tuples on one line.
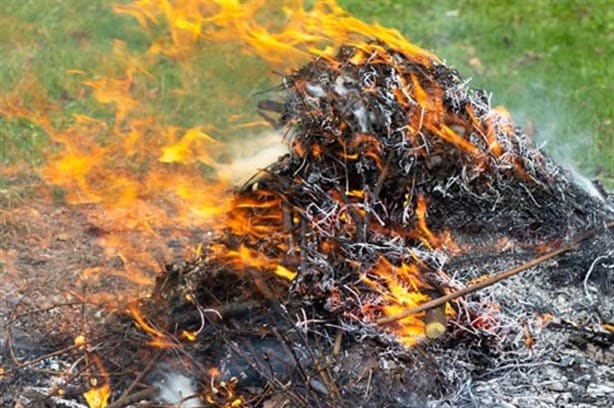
[(303, 32), (401, 289), (158, 337)]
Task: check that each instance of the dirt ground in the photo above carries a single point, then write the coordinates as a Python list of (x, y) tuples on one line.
[(45, 249)]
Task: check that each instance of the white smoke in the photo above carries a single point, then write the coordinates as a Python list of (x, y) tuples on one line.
[(247, 155), (178, 390)]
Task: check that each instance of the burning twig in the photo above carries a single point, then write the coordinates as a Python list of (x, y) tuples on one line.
[(435, 322), (41, 358), (493, 279)]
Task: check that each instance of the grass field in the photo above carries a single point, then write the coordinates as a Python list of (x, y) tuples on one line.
[(549, 63)]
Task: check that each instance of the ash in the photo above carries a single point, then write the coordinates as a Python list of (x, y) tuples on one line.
[(402, 184)]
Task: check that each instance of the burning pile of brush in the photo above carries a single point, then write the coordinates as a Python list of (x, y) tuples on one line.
[(402, 185), (334, 238), (379, 138)]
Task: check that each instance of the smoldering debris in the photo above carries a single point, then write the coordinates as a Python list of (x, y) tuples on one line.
[(378, 140), (402, 184)]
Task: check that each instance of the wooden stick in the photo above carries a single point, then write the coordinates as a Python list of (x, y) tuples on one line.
[(493, 279), (435, 322), (337, 344), (41, 358)]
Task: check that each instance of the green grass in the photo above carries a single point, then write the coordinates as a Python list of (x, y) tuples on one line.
[(550, 63)]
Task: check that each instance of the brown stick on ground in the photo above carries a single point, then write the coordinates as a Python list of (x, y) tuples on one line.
[(493, 279)]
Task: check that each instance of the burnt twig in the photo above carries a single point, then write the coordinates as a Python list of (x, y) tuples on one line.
[(493, 279)]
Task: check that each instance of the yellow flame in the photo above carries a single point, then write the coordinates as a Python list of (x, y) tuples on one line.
[(192, 146), (302, 33), (98, 397), (284, 272)]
